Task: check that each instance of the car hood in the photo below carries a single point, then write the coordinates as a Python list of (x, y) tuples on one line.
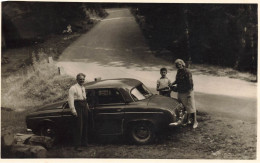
[(163, 102), (57, 105)]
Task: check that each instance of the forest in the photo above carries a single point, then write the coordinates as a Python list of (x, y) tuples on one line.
[(218, 34), (26, 22)]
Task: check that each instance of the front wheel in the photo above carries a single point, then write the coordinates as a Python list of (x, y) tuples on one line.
[(141, 133)]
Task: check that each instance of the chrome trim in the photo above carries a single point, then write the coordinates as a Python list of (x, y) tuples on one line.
[(109, 113), (45, 117), (175, 123), (66, 115), (143, 112)]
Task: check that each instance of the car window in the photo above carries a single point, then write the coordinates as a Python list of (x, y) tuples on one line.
[(91, 98), (137, 95), (140, 92), (109, 96)]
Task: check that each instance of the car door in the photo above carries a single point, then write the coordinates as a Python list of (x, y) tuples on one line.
[(108, 112), (68, 120)]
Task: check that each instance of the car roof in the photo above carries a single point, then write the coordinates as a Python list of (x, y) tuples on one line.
[(113, 83)]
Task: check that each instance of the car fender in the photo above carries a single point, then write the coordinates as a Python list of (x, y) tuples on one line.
[(135, 121), (45, 121), (154, 122), (35, 125)]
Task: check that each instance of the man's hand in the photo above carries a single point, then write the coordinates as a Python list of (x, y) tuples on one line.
[(74, 112)]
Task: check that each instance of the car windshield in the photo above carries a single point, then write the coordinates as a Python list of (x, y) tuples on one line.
[(141, 92)]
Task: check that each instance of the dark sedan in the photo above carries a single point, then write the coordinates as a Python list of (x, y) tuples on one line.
[(117, 107)]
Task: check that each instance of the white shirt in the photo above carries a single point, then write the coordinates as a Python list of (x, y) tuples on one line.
[(163, 82), (76, 92)]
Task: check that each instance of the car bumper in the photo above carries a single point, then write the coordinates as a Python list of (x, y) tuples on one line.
[(178, 123)]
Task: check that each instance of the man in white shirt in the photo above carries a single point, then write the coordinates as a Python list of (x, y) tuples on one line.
[(79, 108)]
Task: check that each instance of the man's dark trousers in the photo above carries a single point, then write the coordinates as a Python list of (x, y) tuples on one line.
[(80, 135)]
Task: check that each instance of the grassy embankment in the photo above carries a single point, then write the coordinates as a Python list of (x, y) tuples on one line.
[(28, 89), (25, 86)]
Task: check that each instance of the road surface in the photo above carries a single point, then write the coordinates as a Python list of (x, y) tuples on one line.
[(116, 48)]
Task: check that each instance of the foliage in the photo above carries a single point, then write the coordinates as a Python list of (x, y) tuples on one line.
[(34, 86), (33, 21), (220, 34)]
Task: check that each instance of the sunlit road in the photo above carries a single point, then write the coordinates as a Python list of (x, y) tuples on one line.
[(116, 48)]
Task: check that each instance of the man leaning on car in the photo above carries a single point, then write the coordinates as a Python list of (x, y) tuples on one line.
[(79, 108)]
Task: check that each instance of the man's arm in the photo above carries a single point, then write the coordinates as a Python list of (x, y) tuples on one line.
[(71, 101)]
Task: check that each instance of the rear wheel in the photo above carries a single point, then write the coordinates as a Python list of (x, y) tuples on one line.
[(141, 133), (48, 130)]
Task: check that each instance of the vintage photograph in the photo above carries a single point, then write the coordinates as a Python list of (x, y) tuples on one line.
[(121, 80)]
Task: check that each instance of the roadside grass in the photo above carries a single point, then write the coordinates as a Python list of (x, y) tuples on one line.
[(34, 86), (30, 88), (222, 71), (13, 121)]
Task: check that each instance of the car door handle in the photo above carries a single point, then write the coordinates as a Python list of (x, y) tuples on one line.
[(118, 109)]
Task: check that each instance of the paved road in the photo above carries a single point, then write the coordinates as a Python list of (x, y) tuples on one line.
[(116, 41), (115, 47)]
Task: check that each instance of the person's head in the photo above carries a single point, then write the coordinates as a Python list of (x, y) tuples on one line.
[(179, 63), (163, 72), (80, 78)]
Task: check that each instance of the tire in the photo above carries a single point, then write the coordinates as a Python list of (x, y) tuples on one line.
[(141, 133), (48, 130)]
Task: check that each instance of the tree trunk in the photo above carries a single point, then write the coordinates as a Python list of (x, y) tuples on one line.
[(187, 34)]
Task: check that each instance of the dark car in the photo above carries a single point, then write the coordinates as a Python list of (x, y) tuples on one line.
[(117, 107)]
